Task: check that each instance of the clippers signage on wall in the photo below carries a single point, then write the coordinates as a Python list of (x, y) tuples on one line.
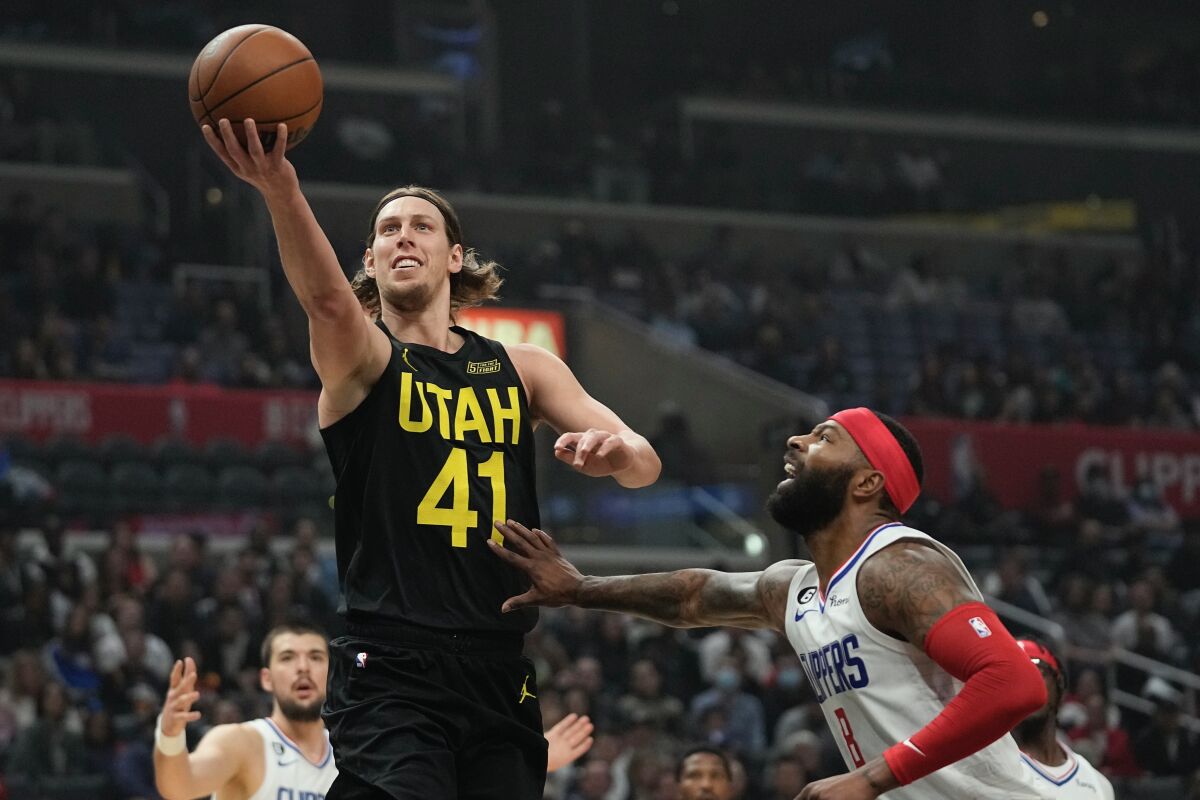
[(1013, 458), (41, 410)]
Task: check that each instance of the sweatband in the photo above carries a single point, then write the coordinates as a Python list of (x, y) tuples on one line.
[(1038, 654), (884, 454), (169, 745), (1001, 687)]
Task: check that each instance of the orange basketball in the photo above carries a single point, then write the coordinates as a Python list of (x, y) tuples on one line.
[(257, 72)]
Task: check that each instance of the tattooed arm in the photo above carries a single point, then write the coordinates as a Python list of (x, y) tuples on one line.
[(688, 598), (908, 586)]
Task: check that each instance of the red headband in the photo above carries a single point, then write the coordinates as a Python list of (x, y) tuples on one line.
[(1038, 653), (883, 452)]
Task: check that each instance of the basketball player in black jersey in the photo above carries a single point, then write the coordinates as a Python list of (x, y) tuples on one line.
[(429, 428)]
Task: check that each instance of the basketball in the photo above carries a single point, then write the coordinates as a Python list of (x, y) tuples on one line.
[(258, 72)]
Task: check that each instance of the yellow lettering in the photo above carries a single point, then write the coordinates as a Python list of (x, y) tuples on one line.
[(406, 421), (441, 395), (468, 416), (500, 414), (493, 469)]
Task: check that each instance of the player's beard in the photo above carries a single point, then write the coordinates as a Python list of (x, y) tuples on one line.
[(1031, 727), (408, 298), (296, 711), (812, 500)]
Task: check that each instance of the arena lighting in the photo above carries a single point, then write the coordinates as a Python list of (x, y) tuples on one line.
[(1040, 19), (213, 195)]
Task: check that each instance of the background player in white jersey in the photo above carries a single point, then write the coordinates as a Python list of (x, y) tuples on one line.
[(915, 673), (285, 755), (1050, 762)]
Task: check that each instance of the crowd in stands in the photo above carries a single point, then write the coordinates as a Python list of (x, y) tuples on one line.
[(88, 635), (1042, 340)]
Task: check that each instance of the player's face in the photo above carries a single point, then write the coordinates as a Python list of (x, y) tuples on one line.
[(296, 676), (704, 777), (412, 258), (819, 468)]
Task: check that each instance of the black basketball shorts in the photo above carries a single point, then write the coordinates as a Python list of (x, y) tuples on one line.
[(424, 714)]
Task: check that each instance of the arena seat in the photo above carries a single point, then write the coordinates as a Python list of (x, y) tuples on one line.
[(134, 487), (186, 486)]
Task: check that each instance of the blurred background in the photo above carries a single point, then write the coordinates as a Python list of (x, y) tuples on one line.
[(730, 219)]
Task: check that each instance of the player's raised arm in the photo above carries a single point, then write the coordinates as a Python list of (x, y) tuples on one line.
[(687, 598), (347, 351), (178, 774), (913, 592), (592, 438)]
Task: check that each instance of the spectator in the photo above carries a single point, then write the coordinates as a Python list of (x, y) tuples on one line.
[(683, 458), (594, 781), (1011, 583), (171, 610), (705, 773), (727, 716), (1149, 510), (228, 648), (1165, 747), (646, 703), (222, 344), (148, 653), (787, 778), (1099, 498), (1141, 628), (53, 745), (1102, 742), (99, 743)]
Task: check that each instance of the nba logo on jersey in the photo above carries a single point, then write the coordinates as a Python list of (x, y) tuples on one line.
[(360, 660), (980, 627)]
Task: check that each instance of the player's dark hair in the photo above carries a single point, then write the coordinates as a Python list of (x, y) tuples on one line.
[(908, 443), (704, 748), (478, 281), (288, 627)]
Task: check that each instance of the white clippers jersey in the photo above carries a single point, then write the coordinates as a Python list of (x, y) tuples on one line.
[(876, 691), (1074, 779), (288, 774)]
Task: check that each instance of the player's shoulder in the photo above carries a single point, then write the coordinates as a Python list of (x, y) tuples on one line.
[(773, 581), (533, 355), (785, 569), (235, 738)]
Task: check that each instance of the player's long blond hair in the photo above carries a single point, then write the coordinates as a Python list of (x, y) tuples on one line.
[(477, 282)]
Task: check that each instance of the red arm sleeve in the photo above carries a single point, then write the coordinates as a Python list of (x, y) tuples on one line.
[(1001, 687)]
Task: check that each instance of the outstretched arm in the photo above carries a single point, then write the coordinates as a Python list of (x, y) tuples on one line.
[(180, 775), (593, 439), (915, 593), (688, 598)]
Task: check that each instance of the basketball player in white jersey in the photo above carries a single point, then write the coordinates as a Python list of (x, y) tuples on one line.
[(918, 679), (1049, 761), (285, 756)]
